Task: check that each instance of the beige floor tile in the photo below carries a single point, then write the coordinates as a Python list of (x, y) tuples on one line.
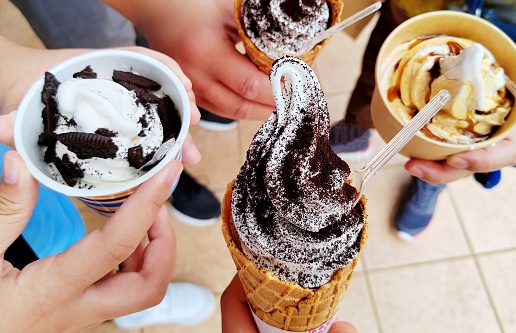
[(212, 325), (220, 157), (202, 257), (443, 238), (444, 297), (499, 271), (109, 327), (356, 307), (15, 27), (487, 215)]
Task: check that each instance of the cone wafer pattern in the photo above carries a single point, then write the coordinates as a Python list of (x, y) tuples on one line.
[(285, 305), (260, 59)]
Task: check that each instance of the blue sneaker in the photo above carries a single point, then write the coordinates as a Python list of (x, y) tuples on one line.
[(349, 142), (488, 179), (416, 208)]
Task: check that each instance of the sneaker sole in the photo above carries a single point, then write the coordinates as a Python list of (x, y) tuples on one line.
[(190, 221), (356, 156), (217, 127)]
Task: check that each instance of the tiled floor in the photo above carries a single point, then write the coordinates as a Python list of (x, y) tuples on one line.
[(459, 276)]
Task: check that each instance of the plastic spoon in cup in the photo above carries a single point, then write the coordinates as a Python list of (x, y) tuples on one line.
[(510, 85), (344, 24), (160, 153), (393, 147)]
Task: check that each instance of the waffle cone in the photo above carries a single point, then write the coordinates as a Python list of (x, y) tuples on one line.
[(260, 59), (285, 305)]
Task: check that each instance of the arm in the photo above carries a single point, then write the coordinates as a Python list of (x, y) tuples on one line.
[(201, 35)]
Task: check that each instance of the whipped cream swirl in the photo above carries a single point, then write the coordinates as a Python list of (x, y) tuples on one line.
[(282, 27), (289, 198)]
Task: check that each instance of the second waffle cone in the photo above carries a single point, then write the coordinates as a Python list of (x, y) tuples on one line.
[(285, 305), (260, 59)]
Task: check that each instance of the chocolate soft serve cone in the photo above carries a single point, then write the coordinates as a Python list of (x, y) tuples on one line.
[(276, 26), (284, 216)]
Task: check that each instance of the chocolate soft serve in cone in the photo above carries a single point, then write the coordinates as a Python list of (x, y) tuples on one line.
[(261, 59), (284, 219)]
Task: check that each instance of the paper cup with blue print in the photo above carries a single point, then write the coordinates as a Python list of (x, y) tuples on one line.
[(102, 195)]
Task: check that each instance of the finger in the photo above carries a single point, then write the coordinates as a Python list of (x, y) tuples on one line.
[(434, 172), (108, 246), (7, 128), (191, 154), (488, 159), (18, 195), (342, 327), (236, 314), (135, 261), (128, 292)]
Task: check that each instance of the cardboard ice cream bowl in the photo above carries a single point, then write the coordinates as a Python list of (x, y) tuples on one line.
[(451, 23), (109, 196)]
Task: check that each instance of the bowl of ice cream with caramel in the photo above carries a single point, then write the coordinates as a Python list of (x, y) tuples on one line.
[(461, 53), (88, 126)]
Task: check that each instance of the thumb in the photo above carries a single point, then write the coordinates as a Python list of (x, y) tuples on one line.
[(7, 128), (342, 327), (18, 195)]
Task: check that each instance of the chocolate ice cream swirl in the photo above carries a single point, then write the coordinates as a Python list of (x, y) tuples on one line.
[(289, 199), (282, 27)]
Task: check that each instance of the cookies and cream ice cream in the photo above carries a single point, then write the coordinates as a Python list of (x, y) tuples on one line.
[(282, 27), (290, 198), (102, 130), (419, 69)]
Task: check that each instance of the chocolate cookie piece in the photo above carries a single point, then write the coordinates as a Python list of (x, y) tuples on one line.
[(71, 172), (143, 94), (88, 145), (50, 113), (169, 117), (136, 158), (105, 132), (86, 73), (137, 80)]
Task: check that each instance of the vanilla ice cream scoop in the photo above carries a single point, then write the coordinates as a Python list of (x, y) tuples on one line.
[(479, 102)]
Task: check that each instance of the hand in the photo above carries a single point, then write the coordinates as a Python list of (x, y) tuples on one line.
[(201, 36), (464, 164), (79, 287), (20, 67), (237, 317)]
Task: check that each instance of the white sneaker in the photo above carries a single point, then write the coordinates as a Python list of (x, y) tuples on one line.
[(184, 304)]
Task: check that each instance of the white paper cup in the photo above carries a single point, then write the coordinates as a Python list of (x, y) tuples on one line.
[(263, 327), (28, 126)]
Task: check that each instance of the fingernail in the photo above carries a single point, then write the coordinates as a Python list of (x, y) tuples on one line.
[(173, 175), (11, 172), (458, 162), (416, 172)]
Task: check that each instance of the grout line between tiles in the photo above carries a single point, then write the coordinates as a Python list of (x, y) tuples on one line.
[(475, 257), (372, 300)]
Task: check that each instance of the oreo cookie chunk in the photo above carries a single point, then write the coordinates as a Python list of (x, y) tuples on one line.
[(88, 145)]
